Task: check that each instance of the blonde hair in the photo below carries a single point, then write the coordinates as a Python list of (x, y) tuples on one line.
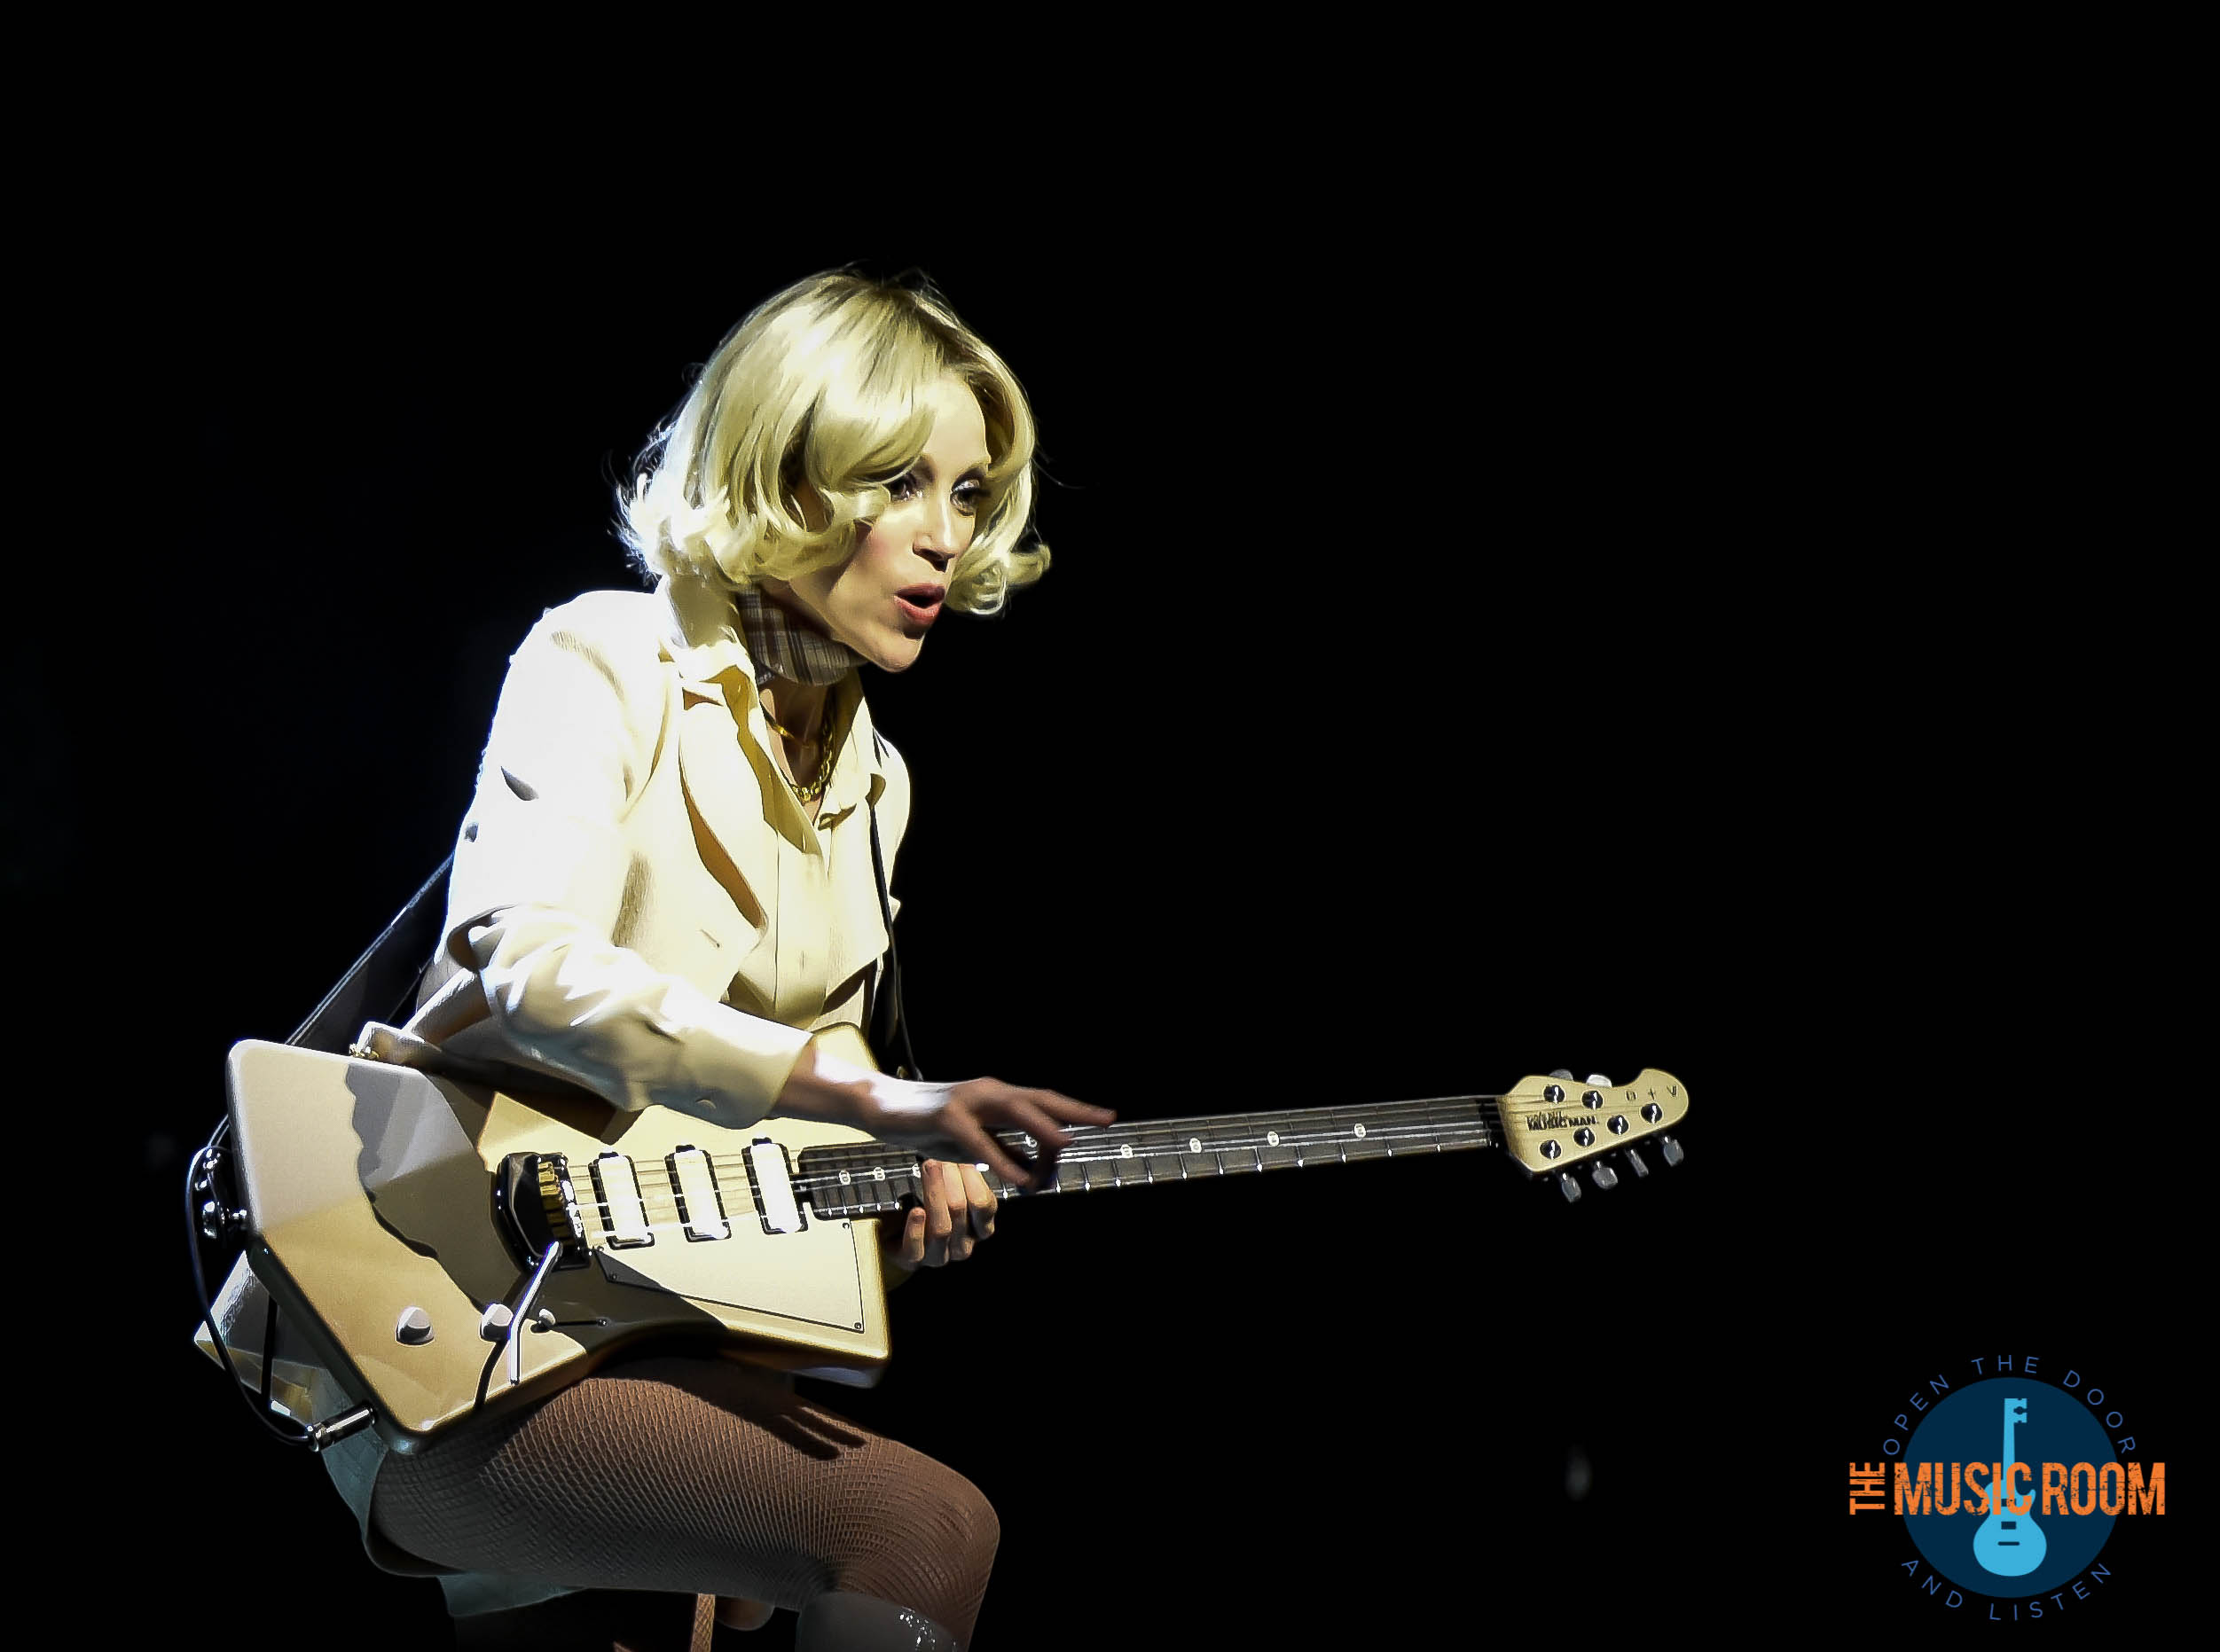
[(791, 433)]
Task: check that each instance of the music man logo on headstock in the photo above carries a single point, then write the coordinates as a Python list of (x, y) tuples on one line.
[(2009, 1488)]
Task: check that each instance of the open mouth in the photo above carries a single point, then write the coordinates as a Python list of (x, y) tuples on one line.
[(921, 603)]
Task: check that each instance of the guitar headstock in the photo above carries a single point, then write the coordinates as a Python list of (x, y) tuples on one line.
[(1552, 1124)]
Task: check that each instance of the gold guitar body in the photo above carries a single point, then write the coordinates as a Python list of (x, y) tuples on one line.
[(369, 1191)]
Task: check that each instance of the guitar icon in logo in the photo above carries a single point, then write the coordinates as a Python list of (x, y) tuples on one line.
[(2010, 1544)]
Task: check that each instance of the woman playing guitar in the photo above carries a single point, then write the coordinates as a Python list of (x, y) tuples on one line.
[(669, 887)]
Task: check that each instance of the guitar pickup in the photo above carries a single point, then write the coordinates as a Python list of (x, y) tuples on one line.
[(694, 1178), (621, 1204), (775, 1202)]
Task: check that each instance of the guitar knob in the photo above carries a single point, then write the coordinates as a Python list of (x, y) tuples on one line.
[(1570, 1188), (1669, 1150), (216, 1221), (494, 1323), (1633, 1162), (1603, 1176), (414, 1328)]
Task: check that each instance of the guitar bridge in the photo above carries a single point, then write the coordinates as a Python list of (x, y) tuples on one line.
[(536, 1204)]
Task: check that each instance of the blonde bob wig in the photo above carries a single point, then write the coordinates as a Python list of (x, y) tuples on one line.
[(795, 427)]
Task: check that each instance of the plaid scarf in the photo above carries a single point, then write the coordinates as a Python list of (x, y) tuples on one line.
[(782, 644)]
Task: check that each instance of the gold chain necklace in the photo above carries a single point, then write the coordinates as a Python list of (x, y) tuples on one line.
[(816, 788), (811, 792)]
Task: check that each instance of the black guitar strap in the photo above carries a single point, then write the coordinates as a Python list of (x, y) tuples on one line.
[(889, 1021), (381, 984)]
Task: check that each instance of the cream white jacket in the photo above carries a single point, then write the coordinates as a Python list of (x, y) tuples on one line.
[(638, 906)]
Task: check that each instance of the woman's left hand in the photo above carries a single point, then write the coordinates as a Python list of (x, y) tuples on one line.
[(955, 1213)]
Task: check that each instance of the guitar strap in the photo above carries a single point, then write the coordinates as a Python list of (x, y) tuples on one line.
[(381, 984), (889, 1021)]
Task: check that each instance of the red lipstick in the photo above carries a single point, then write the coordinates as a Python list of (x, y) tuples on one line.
[(920, 603)]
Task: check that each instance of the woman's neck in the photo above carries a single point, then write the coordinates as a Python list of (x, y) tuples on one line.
[(799, 709)]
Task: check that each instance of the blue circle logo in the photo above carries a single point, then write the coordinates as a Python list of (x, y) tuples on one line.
[(2052, 1521)]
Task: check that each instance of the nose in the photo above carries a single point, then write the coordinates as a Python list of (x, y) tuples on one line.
[(937, 535)]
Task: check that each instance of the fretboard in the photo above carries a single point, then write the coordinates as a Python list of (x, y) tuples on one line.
[(873, 1180)]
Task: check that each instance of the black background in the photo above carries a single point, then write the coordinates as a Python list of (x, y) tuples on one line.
[(1454, 666)]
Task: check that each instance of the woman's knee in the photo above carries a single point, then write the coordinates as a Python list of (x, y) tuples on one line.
[(936, 1556)]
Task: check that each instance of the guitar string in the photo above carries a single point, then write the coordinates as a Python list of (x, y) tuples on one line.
[(1082, 1151), (668, 1195), (731, 1171), (1170, 1130), (1399, 1113), (902, 1161)]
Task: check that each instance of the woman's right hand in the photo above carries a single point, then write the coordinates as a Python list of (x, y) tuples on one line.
[(951, 1120)]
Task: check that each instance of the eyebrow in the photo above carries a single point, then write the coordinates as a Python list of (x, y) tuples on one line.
[(980, 467)]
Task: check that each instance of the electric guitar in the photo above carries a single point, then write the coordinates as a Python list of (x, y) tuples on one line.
[(443, 1247)]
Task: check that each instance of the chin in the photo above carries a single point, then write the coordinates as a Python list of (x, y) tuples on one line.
[(896, 655)]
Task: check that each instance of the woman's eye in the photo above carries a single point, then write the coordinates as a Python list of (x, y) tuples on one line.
[(969, 495)]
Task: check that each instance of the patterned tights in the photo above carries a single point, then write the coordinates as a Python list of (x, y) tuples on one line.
[(696, 1475)]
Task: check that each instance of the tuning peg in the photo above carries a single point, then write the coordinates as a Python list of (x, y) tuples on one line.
[(1633, 1162), (1596, 1079), (1603, 1176), (1670, 1150), (1570, 1188)]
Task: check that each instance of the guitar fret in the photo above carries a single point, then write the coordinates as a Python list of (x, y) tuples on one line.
[(873, 1180)]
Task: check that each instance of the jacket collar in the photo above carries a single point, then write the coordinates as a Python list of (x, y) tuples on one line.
[(701, 636), (700, 630)]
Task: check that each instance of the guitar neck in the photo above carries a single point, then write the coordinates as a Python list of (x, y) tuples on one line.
[(871, 1180)]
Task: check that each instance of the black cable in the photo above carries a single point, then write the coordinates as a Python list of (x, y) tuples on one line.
[(291, 1431), (400, 936), (269, 1350)]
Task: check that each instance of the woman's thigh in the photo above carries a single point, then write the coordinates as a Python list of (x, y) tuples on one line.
[(696, 1475)]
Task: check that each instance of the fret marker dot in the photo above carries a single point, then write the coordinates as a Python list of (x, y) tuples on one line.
[(845, 1179), (1193, 1144), (1359, 1133), (1271, 1138), (1125, 1150), (879, 1174)]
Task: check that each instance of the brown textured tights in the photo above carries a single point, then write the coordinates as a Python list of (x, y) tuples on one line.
[(696, 1475)]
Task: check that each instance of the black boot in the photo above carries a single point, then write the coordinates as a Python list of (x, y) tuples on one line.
[(862, 1623)]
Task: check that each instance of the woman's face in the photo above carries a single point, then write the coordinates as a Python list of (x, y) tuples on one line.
[(883, 598)]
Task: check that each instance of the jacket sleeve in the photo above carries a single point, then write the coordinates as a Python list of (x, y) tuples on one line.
[(542, 867)]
